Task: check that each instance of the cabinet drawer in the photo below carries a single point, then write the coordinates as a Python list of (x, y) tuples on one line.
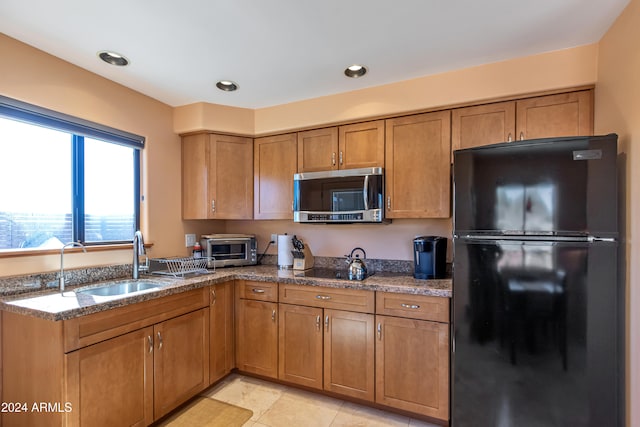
[(413, 306), (316, 296), (261, 291)]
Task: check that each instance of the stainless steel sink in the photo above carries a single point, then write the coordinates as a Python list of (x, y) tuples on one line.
[(123, 287)]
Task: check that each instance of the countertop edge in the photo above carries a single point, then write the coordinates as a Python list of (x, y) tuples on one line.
[(399, 284)]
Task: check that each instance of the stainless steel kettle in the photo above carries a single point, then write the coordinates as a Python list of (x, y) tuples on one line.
[(357, 267)]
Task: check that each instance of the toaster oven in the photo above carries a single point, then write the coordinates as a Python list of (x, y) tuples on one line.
[(224, 250)]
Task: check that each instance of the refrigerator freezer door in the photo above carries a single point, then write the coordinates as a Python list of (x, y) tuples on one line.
[(535, 333), (538, 187)]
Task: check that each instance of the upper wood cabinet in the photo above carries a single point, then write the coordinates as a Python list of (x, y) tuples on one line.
[(483, 125), (275, 162), (359, 145), (565, 114), (418, 166), (217, 177), (318, 150)]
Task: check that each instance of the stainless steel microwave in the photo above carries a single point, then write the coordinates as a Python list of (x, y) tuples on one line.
[(224, 250), (342, 196)]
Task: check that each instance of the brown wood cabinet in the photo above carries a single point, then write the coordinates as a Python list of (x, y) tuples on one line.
[(318, 150), (564, 114), (125, 366), (418, 183), (483, 125), (412, 356), (322, 345), (257, 328), (275, 162), (221, 331), (358, 145), (181, 360), (217, 177)]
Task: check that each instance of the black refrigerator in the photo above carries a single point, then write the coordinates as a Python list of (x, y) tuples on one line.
[(538, 310)]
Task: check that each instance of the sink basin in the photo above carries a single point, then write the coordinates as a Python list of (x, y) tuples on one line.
[(124, 287)]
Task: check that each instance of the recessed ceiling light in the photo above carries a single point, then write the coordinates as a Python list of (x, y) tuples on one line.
[(113, 58), (227, 85), (355, 71)]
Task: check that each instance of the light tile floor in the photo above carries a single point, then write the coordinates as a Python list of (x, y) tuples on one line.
[(276, 405)]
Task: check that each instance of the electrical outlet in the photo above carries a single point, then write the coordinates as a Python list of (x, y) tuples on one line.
[(274, 239), (189, 240)]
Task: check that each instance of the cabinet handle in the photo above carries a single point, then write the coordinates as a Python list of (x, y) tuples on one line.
[(509, 138), (150, 338), (213, 205), (333, 159), (318, 322), (326, 322), (273, 315), (521, 136), (413, 306), (323, 297), (159, 340), (257, 291), (379, 329), (388, 202), (340, 157), (214, 297)]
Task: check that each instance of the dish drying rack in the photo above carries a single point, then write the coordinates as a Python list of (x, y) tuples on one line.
[(179, 266)]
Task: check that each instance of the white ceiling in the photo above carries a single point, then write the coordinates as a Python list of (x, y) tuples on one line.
[(280, 51)]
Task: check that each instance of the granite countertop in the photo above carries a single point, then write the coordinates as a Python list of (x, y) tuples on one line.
[(51, 305)]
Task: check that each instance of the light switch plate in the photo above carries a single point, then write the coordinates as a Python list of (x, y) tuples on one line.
[(274, 239), (189, 240)]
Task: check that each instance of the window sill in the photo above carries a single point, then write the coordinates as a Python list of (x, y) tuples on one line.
[(16, 253)]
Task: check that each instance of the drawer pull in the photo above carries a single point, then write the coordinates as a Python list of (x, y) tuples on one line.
[(318, 322), (214, 297), (412, 306), (159, 340), (379, 328), (150, 343), (326, 323), (273, 315), (323, 297), (257, 291)]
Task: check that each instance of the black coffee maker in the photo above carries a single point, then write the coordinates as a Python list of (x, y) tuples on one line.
[(429, 257)]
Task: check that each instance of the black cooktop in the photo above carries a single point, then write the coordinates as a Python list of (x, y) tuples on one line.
[(329, 273)]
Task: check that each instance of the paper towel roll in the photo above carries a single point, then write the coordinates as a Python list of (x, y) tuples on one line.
[(285, 257)]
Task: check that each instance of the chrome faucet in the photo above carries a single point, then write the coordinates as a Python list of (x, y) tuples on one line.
[(138, 249), (61, 279)]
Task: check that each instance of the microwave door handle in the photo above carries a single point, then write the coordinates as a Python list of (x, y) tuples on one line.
[(365, 192)]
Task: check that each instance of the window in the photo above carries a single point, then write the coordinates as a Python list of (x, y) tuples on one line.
[(64, 179)]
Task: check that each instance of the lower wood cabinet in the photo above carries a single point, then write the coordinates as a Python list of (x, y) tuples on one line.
[(221, 331), (126, 366), (257, 328), (326, 349), (412, 356)]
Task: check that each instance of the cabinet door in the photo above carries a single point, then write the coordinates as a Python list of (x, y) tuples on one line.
[(181, 360), (195, 189), (349, 353), (318, 150), (418, 166), (483, 125), (566, 114), (111, 383), (257, 337), (300, 342), (275, 162), (361, 145), (412, 366), (230, 177), (221, 337)]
